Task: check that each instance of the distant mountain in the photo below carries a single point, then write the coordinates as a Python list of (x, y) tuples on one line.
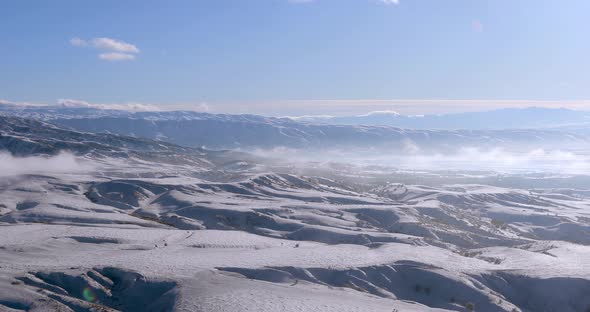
[(508, 118), (221, 131), (28, 137)]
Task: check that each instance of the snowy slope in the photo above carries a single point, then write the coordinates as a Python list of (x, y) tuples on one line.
[(145, 233)]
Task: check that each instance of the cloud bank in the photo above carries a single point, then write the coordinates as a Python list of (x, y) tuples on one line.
[(412, 157), (12, 103), (127, 106), (61, 163)]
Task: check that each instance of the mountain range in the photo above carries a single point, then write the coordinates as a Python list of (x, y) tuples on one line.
[(509, 128)]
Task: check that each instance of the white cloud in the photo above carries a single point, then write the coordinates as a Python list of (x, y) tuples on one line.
[(117, 50), (129, 106), (12, 103), (61, 163), (412, 157), (381, 113), (114, 45), (6, 102), (115, 56), (204, 107), (309, 117), (137, 107), (494, 159)]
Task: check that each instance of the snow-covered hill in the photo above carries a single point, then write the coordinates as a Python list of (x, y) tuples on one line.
[(137, 231), (28, 137)]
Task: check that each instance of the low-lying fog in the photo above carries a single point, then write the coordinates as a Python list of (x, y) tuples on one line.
[(462, 159), (61, 163), (411, 165)]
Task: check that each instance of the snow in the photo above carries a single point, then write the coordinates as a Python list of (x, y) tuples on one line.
[(74, 222), (139, 232)]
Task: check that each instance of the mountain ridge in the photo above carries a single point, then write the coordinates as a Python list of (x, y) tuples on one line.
[(224, 131)]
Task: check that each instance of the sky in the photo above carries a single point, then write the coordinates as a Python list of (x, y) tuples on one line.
[(298, 57)]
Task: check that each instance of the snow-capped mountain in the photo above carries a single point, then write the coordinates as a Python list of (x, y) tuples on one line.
[(219, 131), (507, 118)]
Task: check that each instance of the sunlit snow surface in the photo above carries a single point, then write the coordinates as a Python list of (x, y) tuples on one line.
[(110, 234)]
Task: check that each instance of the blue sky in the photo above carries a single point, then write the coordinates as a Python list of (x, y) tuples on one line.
[(282, 57)]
